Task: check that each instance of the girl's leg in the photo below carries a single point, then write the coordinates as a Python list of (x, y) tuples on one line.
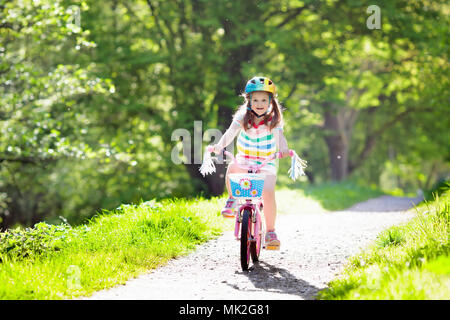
[(228, 210), (232, 168), (270, 205)]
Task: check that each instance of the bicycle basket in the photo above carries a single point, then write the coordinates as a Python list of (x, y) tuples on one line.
[(247, 185)]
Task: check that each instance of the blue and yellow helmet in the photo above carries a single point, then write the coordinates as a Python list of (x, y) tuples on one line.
[(260, 84)]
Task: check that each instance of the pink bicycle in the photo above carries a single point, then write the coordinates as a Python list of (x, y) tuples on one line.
[(247, 188)]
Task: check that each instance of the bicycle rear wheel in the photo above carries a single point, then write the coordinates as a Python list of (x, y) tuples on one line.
[(245, 239)]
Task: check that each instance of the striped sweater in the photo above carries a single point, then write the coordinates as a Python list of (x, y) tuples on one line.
[(255, 145)]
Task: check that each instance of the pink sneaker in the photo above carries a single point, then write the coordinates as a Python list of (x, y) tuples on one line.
[(228, 211), (271, 241)]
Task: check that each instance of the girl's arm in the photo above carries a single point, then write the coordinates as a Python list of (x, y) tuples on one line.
[(280, 140), (228, 136)]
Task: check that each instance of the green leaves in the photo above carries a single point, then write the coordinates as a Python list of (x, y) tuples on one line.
[(391, 237), (79, 81), (41, 97), (34, 242)]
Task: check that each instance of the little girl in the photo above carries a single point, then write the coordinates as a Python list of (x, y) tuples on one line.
[(259, 122)]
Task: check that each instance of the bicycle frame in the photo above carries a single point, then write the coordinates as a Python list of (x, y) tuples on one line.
[(255, 215), (250, 200), (256, 227)]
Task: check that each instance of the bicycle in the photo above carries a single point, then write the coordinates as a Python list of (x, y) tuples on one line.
[(247, 189)]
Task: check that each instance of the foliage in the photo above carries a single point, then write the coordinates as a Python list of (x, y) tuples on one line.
[(340, 196), (64, 131), (43, 238), (89, 107), (38, 263), (437, 190)]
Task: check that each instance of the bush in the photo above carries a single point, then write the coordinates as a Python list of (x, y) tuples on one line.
[(439, 188), (40, 240)]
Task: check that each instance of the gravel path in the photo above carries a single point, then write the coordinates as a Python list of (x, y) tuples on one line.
[(314, 249)]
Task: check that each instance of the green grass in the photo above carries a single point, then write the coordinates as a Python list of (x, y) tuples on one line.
[(411, 261), (59, 262), (323, 197), (339, 196), (62, 262)]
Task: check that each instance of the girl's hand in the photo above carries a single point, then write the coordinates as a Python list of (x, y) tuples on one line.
[(216, 149), (285, 153)]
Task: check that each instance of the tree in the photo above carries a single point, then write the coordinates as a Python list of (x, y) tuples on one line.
[(206, 48), (358, 71), (41, 94)]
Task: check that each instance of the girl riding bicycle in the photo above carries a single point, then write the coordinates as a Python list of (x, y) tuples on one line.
[(259, 122)]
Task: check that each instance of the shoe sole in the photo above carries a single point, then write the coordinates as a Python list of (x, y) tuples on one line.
[(272, 246), (228, 214), (227, 217)]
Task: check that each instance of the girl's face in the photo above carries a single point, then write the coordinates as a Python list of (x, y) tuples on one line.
[(259, 102)]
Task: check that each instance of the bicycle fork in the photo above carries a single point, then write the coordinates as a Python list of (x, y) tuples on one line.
[(255, 219)]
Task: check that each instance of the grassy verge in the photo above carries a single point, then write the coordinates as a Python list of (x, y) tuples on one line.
[(411, 261), (340, 196), (324, 197), (59, 262)]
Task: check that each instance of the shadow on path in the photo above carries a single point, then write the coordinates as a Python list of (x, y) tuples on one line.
[(269, 278)]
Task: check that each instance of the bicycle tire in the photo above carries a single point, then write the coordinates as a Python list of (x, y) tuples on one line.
[(255, 246), (245, 239)]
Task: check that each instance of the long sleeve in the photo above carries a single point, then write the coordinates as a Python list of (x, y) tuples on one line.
[(229, 135), (280, 139), (231, 132)]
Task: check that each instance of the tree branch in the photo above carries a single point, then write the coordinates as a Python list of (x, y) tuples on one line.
[(293, 89), (28, 160), (292, 13), (372, 138), (295, 12), (157, 22)]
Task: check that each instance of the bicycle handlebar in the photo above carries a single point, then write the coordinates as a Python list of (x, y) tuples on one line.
[(296, 170), (276, 155)]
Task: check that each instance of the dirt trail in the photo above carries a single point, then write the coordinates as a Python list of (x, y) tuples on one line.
[(314, 249)]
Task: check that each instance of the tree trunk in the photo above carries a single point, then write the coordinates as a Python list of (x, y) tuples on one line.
[(339, 123), (338, 155), (215, 182), (232, 78)]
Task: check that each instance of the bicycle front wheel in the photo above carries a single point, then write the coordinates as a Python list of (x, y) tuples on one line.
[(255, 245), (246, 233)]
